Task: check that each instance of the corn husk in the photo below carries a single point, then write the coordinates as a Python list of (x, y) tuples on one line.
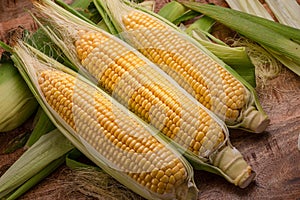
[(281, 41), (49, 148), (17, 103), (42, 125), (172, 11), (287, 13)]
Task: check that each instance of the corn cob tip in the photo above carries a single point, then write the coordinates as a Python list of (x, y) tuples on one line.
[(255, 120), (233, 166)]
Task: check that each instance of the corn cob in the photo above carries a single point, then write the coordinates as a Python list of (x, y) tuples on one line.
[(193, 69), (119, 139), (113, 134), (136, 83)]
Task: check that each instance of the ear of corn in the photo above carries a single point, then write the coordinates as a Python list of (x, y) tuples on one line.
[(116, 140), (17, 103), (198, 71), (142, 87)]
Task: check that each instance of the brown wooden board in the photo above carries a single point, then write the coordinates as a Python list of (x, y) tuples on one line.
[(274, 154)]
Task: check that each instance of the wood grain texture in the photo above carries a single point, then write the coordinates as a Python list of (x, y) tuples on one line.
[(273, 154)]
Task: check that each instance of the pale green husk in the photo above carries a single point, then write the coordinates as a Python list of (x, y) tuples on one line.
[(17, 103), (281, 40), (47, 149), (266, 66), (288, 13), (172, 11), (42, 125)]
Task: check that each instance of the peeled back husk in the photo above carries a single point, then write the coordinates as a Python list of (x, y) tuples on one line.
[(17, 103)]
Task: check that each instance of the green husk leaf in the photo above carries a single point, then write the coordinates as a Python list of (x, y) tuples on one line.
[(81, 4), (287, 14), (190, 14), (47, 149), (38, 177), (42, 126), (5, 46), (172, 11), (73, 11), (103, 26), (218, 13), (87, 9), (204, 23), (105, 18), (280, 38)]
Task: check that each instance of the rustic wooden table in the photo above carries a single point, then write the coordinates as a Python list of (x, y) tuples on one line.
[(274, 154)]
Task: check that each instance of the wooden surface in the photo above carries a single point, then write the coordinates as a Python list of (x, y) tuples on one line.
[(274, 154)]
